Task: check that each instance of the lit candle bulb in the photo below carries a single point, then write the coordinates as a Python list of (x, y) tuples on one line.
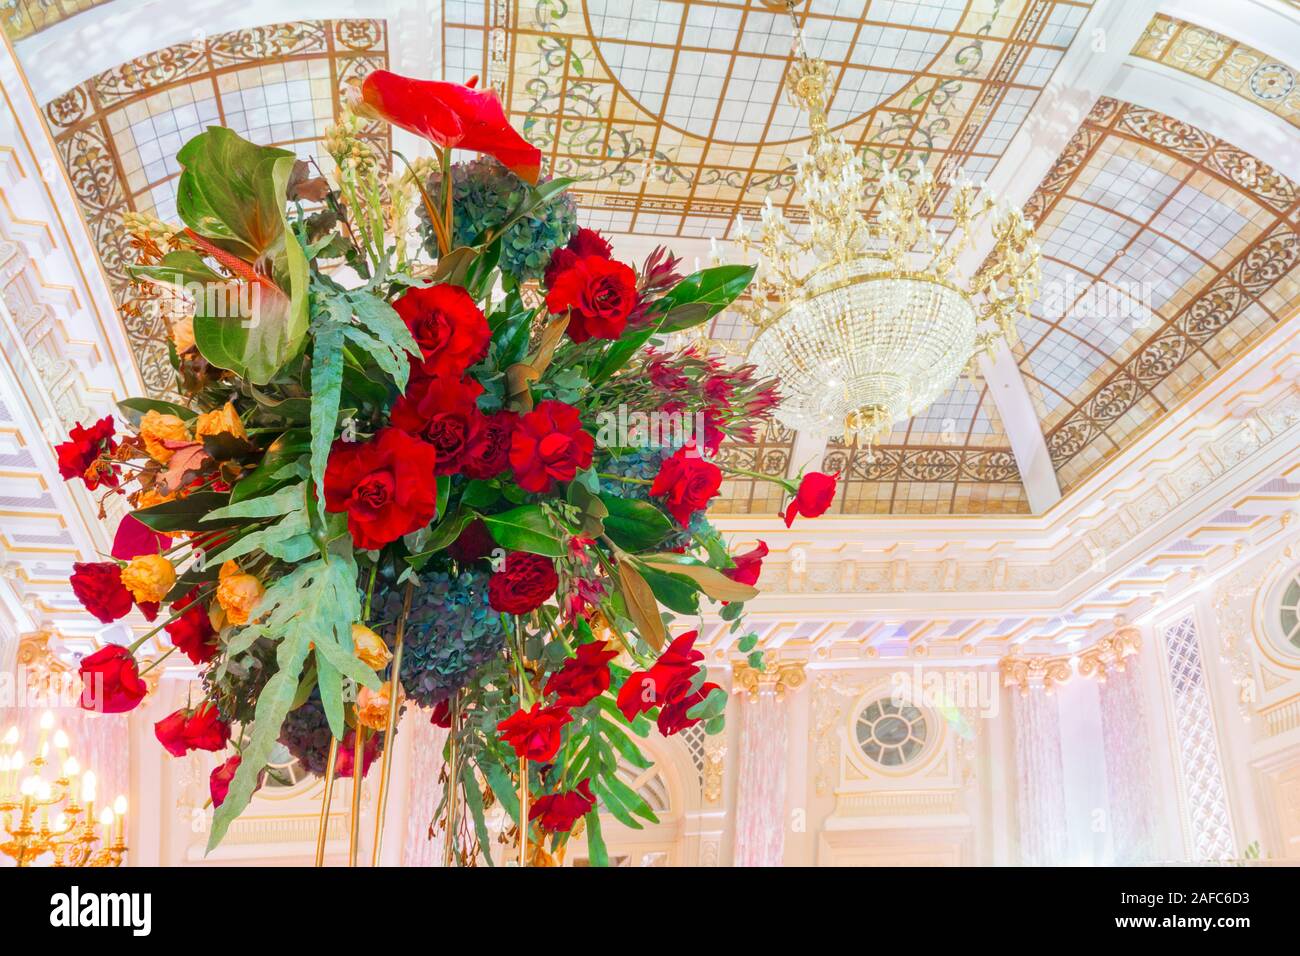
[(61, 742), (119, 811), (47, 724), (106, 821), (60, 823), (88, 794)]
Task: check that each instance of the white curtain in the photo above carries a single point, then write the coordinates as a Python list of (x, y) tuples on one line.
[(425, 764), (760, 795), (1040, 791), (1128, 766)]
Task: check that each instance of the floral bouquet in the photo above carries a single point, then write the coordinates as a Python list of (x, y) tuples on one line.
[(467, 474)]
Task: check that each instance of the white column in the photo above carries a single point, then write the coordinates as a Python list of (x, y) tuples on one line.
[(760, 796)]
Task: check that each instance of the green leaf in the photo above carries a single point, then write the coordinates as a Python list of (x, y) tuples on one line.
[(714, 705), (288, 448), (268, 506), (597, 855), (326, 387), (183, 514), (672, 591), (714, 288), (444, 533), (135, 408), (634, 525), (330, 682), (474, 800), (525, 528), (747, 643), (233, 193), (710, 580), (502, 785), (272, 540), (315, 603), (479, 494), (631, 342)]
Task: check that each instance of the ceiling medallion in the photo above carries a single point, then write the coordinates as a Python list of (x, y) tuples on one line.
[(867, 320)]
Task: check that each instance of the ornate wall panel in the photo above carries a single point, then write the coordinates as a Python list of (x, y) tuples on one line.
[(1236, 67), (1167, 252), (118, 133)]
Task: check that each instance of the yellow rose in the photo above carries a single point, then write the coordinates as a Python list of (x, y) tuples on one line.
[(370, 647), (157, 428), (238, 593), (221, 421), (148, 577), (183, 334), (372, 706)]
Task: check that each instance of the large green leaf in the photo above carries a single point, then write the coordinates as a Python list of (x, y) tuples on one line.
[(285, 450), (714, 289), (525, 528), (313, 605), (672, 591), (231, 193), (634, 525), (710, 580), (326, 388), (184, 514)]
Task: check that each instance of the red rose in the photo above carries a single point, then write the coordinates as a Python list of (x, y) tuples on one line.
[(598, 294), (449, 328), (672, 715), (451, 115), (385, 485), (98, 586), (748, 565), (444, 412), (170, 732), (79, 456), (111, 681), (489, 449), (815, 494), (369, 751), (523, 584), (534, 733), (585, 242), (440, 715), (560, 811), (134, 538), (686, 482), (473, 544), (582, 678), (201, 729), (205, 730), (192, 633), (549, 445), (674, 671), (219, 782)]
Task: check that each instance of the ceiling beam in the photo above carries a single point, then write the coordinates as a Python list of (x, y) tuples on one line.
[(1086, 71)]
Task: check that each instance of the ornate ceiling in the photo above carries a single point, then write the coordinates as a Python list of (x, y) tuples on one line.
[(1167, 250)]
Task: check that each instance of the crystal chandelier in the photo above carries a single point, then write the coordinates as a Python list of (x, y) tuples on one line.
[(865, 319)]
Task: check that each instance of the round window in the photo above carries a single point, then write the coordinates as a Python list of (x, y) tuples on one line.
[(891, 734), (1289, 613)]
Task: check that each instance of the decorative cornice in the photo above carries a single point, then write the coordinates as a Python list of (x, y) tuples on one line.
[(1040, 671)]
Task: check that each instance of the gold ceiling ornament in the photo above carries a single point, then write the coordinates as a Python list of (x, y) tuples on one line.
[(778, 676), (866, 320), (47, 805)]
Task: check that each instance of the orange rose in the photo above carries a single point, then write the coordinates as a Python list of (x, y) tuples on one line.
[(372, 706), (148, 577), (238, 593), (183, 334), (370, 647), (156, 428), (221, 421)]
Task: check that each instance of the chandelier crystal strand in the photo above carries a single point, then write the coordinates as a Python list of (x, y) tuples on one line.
[(867, 321)]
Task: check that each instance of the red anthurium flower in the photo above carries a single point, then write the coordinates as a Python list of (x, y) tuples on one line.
[(449, 328), (524, 583), (815, 494), (98, 586), (558, 812), (687, 483), (549, 445), (79, 456), (582, 678), (111, 681), (451, 115), (134, 538), (385, 485), (748, 565), (535, 733)]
